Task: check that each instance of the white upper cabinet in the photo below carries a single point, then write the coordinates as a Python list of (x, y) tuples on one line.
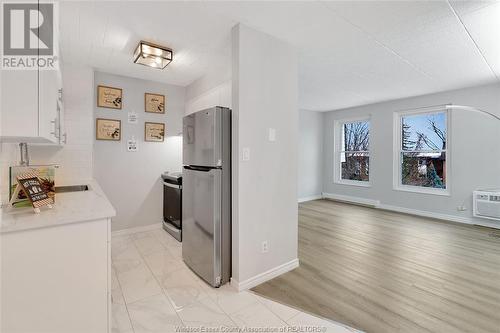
[(19, 105), (31, 106), (49, 122)]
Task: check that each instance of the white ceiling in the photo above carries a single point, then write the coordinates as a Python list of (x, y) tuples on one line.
[(104, 35), (350, 53)]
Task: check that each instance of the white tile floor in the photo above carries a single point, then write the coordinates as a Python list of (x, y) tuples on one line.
[(154, 291)]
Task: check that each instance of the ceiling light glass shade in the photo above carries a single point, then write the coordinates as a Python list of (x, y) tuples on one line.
[(152, 55)]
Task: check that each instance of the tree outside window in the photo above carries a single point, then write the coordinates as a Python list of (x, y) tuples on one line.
[(354, 155), (423, 150)]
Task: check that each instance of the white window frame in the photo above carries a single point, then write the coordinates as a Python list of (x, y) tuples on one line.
[(337, 170), (397, 150)]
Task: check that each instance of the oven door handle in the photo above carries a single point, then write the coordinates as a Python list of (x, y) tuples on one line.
[(177, 187)]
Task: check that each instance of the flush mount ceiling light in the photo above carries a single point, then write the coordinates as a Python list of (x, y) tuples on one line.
[(152, 55)]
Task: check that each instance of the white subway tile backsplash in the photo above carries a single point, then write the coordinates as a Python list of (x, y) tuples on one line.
[(79, 133)]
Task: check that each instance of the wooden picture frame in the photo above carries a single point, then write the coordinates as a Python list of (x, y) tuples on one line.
[(109, 97), (154, 103), (108, 129), (154, 132)]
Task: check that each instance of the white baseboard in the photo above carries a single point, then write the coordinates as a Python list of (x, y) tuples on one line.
[(311, 197), (423, 213), (488, 223), (134, 230), (265, 276), (351, 199), (416, 212), (439, 216)]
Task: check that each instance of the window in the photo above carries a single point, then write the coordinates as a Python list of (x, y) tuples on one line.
[(352, 152), (422, 152)]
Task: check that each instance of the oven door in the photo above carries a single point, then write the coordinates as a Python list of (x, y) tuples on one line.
[(172, 203)]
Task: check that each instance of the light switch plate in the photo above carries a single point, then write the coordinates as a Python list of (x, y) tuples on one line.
[(272, 134), (265, 247), (246, 154)]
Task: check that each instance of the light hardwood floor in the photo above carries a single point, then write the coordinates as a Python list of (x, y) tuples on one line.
[(380, 271)]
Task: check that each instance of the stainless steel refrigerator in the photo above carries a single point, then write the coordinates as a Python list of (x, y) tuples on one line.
[(206, 194)]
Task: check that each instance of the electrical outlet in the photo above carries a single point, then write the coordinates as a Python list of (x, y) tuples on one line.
[(461, 208), (265, 246), (272, 134)]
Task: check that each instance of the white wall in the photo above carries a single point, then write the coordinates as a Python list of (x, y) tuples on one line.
[(310, 168), (218, 95), (132, 181), (474, 155), (75, 158), (265, 187), (214, 88)]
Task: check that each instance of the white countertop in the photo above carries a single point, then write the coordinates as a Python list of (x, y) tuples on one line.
[(70, 207)]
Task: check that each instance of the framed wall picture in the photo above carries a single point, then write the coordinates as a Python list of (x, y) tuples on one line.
[(154, 132), (154, 103), (109, 97), (108, 129)]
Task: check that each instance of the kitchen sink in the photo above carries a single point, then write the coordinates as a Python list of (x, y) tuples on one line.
[(71, 188)]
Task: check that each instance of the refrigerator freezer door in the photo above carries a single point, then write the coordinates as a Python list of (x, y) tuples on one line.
[(201, 212), (202, 138)]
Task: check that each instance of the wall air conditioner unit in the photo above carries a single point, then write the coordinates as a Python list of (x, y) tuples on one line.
[(486, 204)]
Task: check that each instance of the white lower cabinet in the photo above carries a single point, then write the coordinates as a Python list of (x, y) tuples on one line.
[(56, 279)]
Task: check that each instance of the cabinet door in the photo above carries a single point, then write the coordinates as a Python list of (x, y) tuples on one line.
[(29, 106), (19, 103), (47, 106), (63, 138), (56, 279)]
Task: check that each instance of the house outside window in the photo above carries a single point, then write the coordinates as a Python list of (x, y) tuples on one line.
[(352, 152), (421, 161)]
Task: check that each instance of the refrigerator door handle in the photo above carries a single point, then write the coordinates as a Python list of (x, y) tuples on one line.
[(217, 226), (198, 168)]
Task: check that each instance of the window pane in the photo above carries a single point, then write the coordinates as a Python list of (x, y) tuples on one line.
[(424, 169), (355, 166), (356, 136), (424, 132)]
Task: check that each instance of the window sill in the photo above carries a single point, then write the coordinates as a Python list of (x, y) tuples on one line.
[(353, 183), (423, 190)]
